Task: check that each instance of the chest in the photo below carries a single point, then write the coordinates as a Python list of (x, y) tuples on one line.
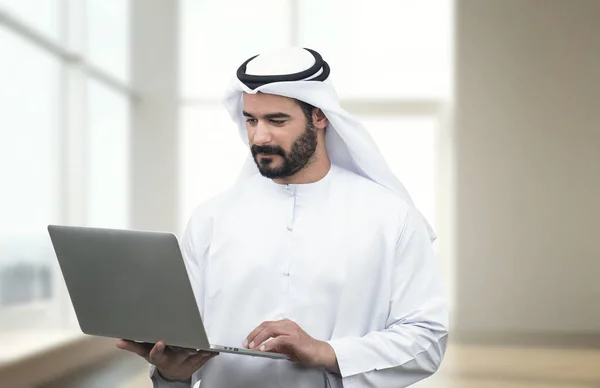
[(300, 259), (319, 244)]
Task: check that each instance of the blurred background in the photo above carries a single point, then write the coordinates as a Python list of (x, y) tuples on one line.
[(487, 110)]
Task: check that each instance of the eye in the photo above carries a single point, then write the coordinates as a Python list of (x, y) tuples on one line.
[(251, 121), (277, 122)]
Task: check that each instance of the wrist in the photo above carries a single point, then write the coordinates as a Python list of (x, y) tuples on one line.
[(171, 379), (329, 358)]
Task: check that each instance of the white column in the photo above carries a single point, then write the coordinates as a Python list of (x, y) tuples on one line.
[(154, 125)]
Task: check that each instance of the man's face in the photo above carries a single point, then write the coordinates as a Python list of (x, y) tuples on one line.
[(282, 141)]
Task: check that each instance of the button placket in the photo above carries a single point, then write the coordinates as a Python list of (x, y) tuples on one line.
[(286, 268), (292, 193)]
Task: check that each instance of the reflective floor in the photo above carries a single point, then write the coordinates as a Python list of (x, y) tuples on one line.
[(464, 367)]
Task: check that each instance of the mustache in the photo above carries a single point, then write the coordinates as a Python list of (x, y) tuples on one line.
[(267, 150)]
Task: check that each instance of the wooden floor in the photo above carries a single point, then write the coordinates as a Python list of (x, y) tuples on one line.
[(464, 367), (517, 367)]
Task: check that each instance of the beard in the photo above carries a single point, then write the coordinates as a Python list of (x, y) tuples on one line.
[(299, 157)]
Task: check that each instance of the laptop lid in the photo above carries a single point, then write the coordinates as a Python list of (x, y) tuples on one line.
[(129, 284)]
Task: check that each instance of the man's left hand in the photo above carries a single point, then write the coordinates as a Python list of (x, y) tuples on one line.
[(288, 338)]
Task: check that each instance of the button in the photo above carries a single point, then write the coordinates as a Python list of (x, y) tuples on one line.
[(290, 228), (289, 190)]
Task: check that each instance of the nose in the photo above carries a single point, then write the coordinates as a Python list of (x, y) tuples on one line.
[(262, 135)]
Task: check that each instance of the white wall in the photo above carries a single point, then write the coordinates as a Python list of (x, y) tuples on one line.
[(528, 166)]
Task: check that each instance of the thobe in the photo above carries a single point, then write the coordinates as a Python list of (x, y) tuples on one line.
[(344, 257)]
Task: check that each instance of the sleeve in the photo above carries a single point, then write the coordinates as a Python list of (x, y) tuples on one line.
[(194, 245), (159, 382), (413, 344)]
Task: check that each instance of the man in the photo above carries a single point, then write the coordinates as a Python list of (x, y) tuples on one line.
[(316, 251)]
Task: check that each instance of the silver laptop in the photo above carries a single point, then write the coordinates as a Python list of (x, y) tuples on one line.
[(133, 285)]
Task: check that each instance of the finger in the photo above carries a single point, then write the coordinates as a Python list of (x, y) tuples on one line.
[(270, 331), (281, 344), (141, 350), (197, 361), (181, 354), (186, 355), (254, 333), (159, 355)]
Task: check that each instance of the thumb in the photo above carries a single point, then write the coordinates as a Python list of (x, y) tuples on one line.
[(158, 354)]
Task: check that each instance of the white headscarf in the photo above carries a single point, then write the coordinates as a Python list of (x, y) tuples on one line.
[(349, 144)]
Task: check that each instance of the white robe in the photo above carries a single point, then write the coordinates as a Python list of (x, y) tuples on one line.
[(344, 257)]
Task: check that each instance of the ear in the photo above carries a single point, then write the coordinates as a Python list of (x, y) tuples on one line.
[(319, 119)]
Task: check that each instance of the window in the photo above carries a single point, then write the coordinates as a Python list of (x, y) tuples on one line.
[(393, 56), (107, 41), (29, 169), (380, 48), (107, 156), (392, 66), (64, 151), (217, 35)]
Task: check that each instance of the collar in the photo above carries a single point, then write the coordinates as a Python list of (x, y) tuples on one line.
[(305, 188)]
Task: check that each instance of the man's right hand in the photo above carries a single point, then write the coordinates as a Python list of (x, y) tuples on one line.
[(172, 365)]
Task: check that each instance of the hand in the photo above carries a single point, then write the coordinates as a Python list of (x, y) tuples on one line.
[(287, 337), (172, 365)]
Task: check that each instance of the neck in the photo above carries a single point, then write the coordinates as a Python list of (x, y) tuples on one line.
[(316, 169)]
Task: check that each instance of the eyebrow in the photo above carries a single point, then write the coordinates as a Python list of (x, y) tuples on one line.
[(270, 116)]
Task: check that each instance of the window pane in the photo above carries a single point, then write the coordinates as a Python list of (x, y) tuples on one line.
[(108, 125), (218, 35), (382, 48), (29, 162), (212, 155), (41, 15), (409, 146), (108, 36)]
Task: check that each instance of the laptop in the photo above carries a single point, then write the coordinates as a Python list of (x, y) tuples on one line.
[(133, 285)]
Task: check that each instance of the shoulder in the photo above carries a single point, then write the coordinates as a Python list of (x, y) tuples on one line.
[(200, 224), (226, 200), (381, 204), (210, 208), (371, 194)]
